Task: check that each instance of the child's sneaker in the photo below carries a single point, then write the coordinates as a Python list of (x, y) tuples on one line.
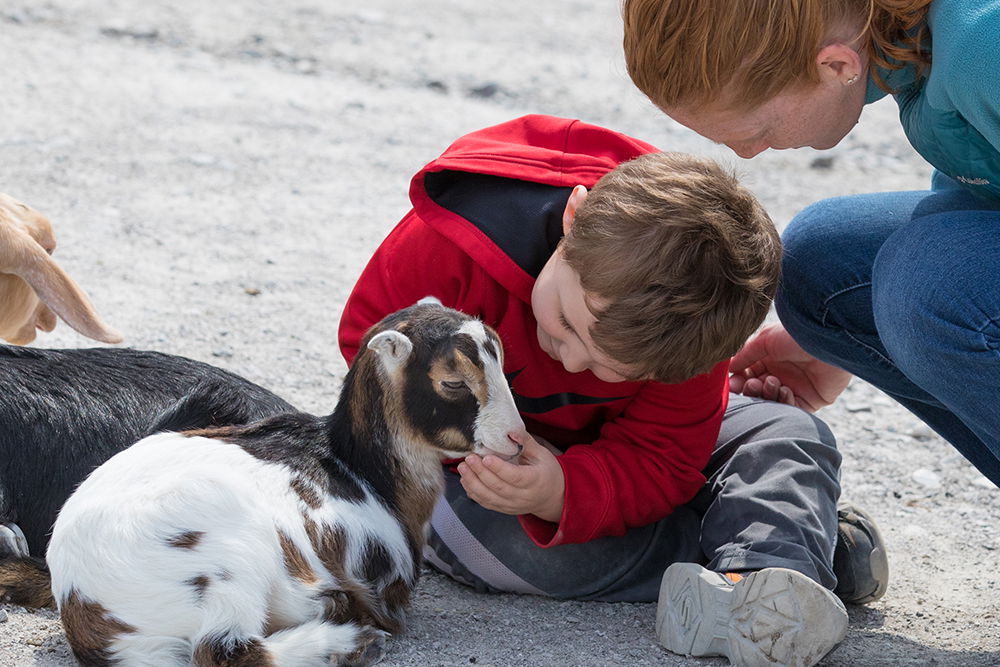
[(772, 616), (859, 560)]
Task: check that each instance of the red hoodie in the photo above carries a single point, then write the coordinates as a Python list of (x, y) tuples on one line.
[(486, 216)]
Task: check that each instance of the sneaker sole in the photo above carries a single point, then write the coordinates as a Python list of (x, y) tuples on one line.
[(774, 616)]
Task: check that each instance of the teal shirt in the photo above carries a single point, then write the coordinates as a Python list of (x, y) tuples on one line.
[(951, 116)]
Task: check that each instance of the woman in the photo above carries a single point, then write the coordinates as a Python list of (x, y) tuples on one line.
[(902, 288)]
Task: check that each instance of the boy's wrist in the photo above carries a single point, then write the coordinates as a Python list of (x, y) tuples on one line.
[(552, 512), (552, 508)]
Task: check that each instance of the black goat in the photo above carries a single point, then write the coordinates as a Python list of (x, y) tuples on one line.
[(65, 412)]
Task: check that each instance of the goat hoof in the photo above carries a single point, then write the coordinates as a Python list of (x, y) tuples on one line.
[(12, 542), (371, 648)]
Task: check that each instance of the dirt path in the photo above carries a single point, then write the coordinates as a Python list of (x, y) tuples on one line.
[(218, 173)]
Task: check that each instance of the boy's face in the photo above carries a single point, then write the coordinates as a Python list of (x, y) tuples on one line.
[(564, 322)]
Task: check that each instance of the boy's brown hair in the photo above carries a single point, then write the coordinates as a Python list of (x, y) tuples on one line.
[(679, 263), (687, 53)]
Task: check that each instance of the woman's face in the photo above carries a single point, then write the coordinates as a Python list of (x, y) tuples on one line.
[(818, 116)]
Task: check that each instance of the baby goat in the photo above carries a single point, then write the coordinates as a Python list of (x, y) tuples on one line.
[(291, 541), (65, 412), (33, 288)]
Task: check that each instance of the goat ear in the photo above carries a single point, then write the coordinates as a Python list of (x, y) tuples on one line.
[(392, 346), (22, 256), (430, 301)]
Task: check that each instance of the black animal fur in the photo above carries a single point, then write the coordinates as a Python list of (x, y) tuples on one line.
[(64, 412)]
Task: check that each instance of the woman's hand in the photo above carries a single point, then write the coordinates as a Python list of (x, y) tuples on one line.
[(773, 366)]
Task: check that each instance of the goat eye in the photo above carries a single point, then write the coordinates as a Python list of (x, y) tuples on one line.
[(451, 385)]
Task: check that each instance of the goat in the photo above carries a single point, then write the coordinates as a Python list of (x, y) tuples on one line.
[(295, 540), (33, 288), (65, 412)]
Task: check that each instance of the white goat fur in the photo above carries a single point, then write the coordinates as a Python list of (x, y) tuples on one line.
[(237, 501)]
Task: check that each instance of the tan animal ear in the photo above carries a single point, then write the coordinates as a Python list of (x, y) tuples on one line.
[(22, 256)]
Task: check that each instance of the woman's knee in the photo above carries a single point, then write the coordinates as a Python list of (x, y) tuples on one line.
[(936, 292), (828, 251), (806, 244)]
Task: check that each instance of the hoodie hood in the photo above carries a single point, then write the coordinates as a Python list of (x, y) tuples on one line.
[(499, 193)]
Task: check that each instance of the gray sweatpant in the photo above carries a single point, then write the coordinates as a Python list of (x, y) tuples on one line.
[(770, 501)]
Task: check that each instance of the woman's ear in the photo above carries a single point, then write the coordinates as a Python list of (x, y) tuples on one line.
[(838, 62), (572, 204)]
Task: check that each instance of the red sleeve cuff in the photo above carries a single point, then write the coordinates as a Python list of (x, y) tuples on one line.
[(586, 505)]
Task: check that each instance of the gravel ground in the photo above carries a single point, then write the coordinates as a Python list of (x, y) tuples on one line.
[(218, 173)]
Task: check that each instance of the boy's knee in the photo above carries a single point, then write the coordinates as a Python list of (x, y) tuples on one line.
[(759, 420)]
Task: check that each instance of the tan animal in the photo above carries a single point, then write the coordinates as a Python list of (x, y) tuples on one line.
[(33, 288)]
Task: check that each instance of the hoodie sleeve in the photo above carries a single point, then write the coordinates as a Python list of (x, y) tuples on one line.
[(413, 262), (644, 464)]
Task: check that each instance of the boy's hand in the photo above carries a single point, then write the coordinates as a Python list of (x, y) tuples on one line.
[(534, 487), (773, 366)]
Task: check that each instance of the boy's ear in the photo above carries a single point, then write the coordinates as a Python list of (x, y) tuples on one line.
[(572, 204)]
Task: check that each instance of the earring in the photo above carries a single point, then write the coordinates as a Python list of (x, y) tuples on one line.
[(851, 81)]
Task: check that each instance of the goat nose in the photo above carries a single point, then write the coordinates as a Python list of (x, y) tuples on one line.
[(517, 436)]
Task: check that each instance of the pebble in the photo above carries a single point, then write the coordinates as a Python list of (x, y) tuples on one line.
[(3, 615), (202, 159), (927, 478), (120, 28), (305, 66)]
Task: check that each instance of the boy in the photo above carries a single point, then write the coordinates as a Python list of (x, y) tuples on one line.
[(619, 309)]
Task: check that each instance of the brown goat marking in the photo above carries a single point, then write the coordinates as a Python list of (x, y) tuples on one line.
[(474, 374), (442, 370), (396, 597), (360, 407), (453, 439), (91, 629), (457, 367), (217, 652), (295, 561), (397, 594), (330, 545), (352, 600), (200, 585), (25, 582), (306, 492), (214, 432), (186, 540)]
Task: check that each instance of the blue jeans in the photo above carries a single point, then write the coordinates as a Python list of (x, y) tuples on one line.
[(902, 289)]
